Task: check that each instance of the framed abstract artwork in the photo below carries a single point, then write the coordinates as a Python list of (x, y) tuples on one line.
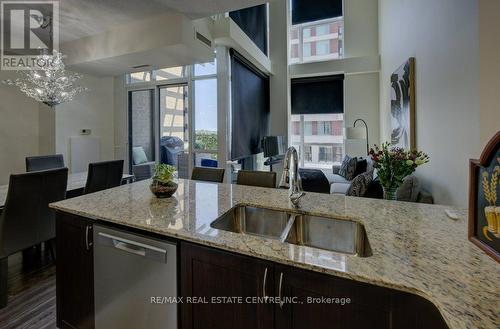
[(484, 199), (403, 105)]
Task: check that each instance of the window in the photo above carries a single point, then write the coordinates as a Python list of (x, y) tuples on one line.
[(170, 73), (324, 127), (322, 29), (307, 153), (205, 116), (307, 50), (138, 77), (321, 145), (318, 120), (323, 48), (205, 69), (325, 154), (316, 30)]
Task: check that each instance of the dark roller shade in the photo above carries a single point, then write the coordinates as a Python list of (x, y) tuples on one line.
[(304, 11), (318, 95), (253, 21), (249, 107)]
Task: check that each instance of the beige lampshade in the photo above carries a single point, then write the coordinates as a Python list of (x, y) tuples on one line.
[(355, 133)]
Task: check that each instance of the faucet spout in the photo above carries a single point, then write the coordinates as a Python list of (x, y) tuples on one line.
[(293, 182)]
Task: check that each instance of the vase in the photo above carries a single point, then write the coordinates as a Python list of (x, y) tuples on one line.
[(163, 190), (390, 193)]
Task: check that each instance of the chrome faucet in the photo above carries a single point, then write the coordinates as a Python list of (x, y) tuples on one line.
[(294, 184)]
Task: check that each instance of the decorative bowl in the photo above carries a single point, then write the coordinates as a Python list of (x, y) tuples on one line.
[(163, 190)]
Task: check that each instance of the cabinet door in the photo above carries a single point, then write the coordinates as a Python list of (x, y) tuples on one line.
[(208, 273), (74, 272), (321, 302)]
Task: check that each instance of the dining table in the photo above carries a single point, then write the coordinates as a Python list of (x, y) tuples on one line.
[(76, 183)]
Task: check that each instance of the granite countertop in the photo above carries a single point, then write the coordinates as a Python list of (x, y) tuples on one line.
[(416, 247)]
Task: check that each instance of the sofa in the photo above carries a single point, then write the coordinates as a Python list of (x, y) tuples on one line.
[(339, 184), (410, 191)]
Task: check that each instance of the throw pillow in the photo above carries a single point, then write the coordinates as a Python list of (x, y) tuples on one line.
[(138, 155), (361, 166), (348, 167), (359, 185)]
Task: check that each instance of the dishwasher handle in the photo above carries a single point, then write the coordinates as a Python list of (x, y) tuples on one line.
[(133, 247)]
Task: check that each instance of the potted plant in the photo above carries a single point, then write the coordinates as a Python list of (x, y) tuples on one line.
[(164, 182), (393, 164)]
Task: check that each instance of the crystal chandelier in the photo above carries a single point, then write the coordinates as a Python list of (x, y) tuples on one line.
[(50, 84)]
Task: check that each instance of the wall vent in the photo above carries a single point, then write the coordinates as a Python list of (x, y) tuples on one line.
[(203, 39), (141, 66)]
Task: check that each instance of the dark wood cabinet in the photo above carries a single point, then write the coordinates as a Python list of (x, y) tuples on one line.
[(207, 273), (311, 300), (324, 301), (317, 301), (224, 290), (74, 272)]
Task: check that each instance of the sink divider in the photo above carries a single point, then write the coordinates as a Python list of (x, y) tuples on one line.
[(288, 226)]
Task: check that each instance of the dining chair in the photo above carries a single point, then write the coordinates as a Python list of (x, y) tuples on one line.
[(256, 178), (208, 174), (44, 162), (104, 175), (26, 219)]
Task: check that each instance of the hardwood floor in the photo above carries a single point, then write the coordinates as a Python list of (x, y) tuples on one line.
[(32, 291)]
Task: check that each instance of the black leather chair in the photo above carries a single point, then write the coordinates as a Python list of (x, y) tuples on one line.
[(26, 219), (104, 175), (44, 162), (208, 174), (256, 178)]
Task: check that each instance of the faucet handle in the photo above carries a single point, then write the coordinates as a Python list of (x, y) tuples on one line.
[(295, 198)]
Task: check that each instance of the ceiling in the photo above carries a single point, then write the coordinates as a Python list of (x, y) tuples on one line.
[(80, 19)]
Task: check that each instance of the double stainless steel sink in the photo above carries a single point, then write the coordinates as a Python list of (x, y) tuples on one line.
[(332, 234)]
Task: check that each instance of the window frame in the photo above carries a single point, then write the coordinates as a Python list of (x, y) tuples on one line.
[(154, 86)]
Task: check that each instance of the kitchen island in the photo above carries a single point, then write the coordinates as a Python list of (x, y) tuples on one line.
[(415, 248)]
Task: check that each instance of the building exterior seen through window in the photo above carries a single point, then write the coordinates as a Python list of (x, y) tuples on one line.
[(319, 138), (317, 41)]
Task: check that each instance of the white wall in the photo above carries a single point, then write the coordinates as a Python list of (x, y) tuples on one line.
[(361, 102), (93, 110), (18, 129), (442, 35), (360, 28), (120, 119), (489, 68)]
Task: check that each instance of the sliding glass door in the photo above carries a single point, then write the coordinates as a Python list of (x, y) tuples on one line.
[(173, 117), (173, 122)]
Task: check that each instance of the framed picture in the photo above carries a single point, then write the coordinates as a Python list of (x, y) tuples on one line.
[(403, 105), (484, 199)]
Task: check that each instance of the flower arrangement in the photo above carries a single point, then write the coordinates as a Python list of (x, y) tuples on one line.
[(164, 182), (393, 164)]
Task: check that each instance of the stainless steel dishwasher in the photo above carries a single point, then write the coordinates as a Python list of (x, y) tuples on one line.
[(135, 281)]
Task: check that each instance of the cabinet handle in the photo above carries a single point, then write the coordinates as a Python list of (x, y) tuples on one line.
[(88, 243), (264, 286), (281, 303)]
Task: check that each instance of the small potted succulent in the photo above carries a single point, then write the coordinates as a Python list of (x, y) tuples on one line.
[(164, 182), (393, 164)]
